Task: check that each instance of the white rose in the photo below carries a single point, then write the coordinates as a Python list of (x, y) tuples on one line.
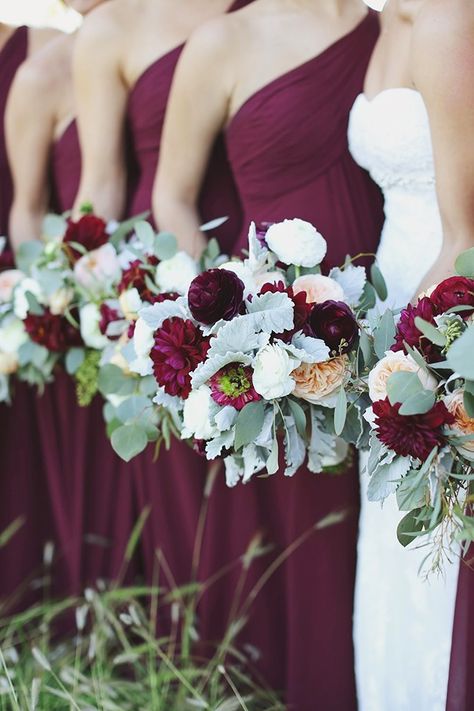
[(177, 273), (272, 368), (12, 337), (196, 415), (89, 316), (395, 362), (296, 242), (60, 299), (143, 341), (245, 275), (97, 268), (130, 303), (8, 280), (20, 302)]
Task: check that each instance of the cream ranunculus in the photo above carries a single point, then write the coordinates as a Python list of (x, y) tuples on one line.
[(89, 316), (272, 370), (196, 415), (318, 382), (130, 303), (296, 242), (463, 424), (395, 362), (20, 302), (12, 337), (143, 341), (60, 299), (8, 280), (97, 269), (318, 288), (177, 273)]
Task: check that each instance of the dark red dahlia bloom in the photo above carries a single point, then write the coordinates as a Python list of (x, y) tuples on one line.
[(89, 231), (455, 291), (334, 322), (215, 294), (233, 385), (302, 308), (133, 277), (178, 350), (409, 333), (53, 331), (411, 435), (108, 315)]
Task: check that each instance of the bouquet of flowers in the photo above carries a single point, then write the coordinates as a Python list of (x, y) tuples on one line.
[(422, 413), (258, 355)]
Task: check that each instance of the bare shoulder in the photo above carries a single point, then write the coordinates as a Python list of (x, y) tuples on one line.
[(445, 31), (102, 31), (42, 74)]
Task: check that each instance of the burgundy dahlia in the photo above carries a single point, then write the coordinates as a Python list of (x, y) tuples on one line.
[(334, 322), (233, 385), (134, 277), (411, 435), (302, 308), (89, 231), (54, 332), (108, 315), (407, 332), (455, 291), (215, 294), (178, 350)]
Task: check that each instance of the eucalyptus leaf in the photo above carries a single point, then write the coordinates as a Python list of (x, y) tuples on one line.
[(384, 335), (418, 403), (366, 348), (402, 385), (249, 423), (412, 492), (430, 332), (34, 307), (126, 227), (74, 359), (111, 379), (54, 226), (129, 440), (368, 298), (27, 253), (166, 245), (299, 416), (469, 398), (340, 412), (145, 234), (465, 263), (378, 282), (133, 408), (409, 527), (460, 355)]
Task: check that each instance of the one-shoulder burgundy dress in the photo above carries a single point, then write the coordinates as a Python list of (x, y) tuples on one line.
[(461, 671), (287, 146), (22, 492)]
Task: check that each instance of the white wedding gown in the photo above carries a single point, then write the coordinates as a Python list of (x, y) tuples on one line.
[(402, 622)]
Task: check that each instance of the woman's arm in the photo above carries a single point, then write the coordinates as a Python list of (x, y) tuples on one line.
[(101, 97), (443, 61), (197, 112), (29, 127)]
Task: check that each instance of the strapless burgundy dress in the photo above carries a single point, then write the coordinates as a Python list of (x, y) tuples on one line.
[(287, 146), (461, 671), (173, 486), (22, 492)]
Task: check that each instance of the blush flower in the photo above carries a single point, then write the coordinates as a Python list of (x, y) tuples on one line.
[(318, 288), (89, 231), (179, 347), (215, 294), (463, 424), (316, 382), (232, 385), (410, 435)]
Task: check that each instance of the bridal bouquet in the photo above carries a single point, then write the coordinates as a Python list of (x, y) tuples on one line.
[(422, 413), (258, 355)]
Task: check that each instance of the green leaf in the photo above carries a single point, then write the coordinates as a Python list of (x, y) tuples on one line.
[(430, 331), (465, 263), (125, 227), (249, 423), (411, 492), (213, 224), (34, 307), (129, 440), (340, 412), (402, 385), (299, 416), (368, 298), (366, 348), (145, 234), (409, 527), (469, 401), (111, 379), (378, 282), (27, 253), (54, 226), (133, 408), (74, 359), (166, 245), (384, 335), (460, 354), (272, 461), (418, 404)]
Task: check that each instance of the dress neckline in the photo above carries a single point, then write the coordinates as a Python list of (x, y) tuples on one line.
[(384, 92), (22, 30), (307, 63)]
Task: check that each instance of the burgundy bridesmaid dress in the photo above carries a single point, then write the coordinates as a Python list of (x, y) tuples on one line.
[(287, 146), (173, 486), (461, 671), (90, 487), (22, 492)]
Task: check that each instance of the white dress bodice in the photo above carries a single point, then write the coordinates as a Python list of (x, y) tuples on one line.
[(389, 136), (402, 622)]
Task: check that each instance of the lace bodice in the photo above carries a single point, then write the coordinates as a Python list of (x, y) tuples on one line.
[(389, 135)]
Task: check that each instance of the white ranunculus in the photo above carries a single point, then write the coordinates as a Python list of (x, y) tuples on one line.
[(12, 337), (142, 344), (89, 317), (177, 273), (97, 269), (130, 303), (296, 242), (196, 415), (244, 273), (20, 302), (8, 280), (60, 299), (272, 372)]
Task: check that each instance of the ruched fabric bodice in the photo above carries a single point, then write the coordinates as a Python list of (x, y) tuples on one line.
[(12, 55), (65, 169), (389, 136), (287, 145)]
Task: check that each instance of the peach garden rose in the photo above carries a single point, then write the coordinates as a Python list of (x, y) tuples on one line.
[(315, 382)]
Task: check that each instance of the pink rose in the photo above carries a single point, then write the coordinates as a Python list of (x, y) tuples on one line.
[(318, 288), (97, 268), (8, 280)]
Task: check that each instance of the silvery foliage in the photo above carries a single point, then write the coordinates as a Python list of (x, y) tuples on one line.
[(385, 469)]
